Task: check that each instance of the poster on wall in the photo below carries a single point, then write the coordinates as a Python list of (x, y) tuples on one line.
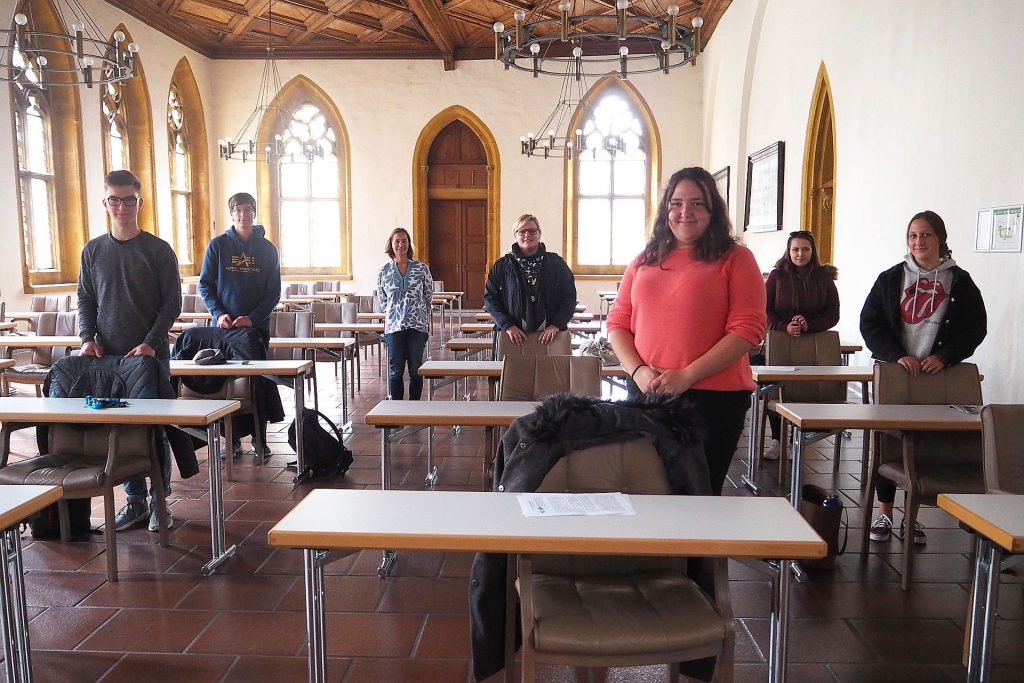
[(999, 229), (765, 172)]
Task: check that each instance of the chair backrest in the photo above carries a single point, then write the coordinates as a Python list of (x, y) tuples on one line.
[(821, 348), (298, 289), (368, 303), (629, 467), (533, 378), (193, 303), (1003, 433), (325, 286), (958, 384), (190, 288), (50, 324), (53, 303), (290, 324), (439, 285), (561, 345)]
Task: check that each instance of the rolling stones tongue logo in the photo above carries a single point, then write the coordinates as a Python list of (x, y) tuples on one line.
[(929, 296)]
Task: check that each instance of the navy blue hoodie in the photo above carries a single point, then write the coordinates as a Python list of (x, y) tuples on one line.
[(240, 278)]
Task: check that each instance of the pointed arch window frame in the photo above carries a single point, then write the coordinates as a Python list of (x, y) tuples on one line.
[(570, 239), (63, 110), (297, 92), (136, 117), (184, 82)]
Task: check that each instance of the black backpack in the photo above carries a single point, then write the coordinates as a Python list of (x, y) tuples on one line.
[(325, 453)]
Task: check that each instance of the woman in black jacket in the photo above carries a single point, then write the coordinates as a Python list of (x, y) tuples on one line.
[(530, 289), (926, 314)]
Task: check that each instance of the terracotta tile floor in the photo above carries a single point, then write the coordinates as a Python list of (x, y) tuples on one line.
[(164, 622)]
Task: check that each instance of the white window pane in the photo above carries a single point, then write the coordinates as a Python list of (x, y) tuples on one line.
[(594, 175), (35, 144), (630, 176), (294, 179), (628, 233), (317, 127), (39, 198), (181, 170), (181, 232), (117, 151), (325, 222), (295, 241), (594, 232), (325, 179)]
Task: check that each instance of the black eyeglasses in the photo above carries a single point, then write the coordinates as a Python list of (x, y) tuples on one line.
[(125, 201), (529, 231)]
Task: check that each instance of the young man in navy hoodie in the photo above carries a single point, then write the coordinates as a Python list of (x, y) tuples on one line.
[(241, 277)]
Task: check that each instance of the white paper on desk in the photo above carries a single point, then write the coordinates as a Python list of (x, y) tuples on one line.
[(566, 504)]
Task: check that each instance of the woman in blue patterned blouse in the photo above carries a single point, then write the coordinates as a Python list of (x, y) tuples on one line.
[(404, 288)]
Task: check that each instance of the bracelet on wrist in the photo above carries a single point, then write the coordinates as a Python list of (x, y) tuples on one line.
[(632, 375)]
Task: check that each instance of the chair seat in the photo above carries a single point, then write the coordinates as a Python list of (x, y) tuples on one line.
[(28, 371), (68, 472), (639, 614), (936, 479)]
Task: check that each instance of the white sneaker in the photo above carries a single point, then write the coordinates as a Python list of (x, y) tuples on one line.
[(772, 452)]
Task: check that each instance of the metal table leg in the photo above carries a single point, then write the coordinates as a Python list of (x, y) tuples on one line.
[(217, 536), (779, 624), (750, 478), (985, 596), (300, 404), (314, 578), (17, 652)]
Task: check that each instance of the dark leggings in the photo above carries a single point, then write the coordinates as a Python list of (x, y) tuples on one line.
[(721, 413), (405, 347), (885, 489)]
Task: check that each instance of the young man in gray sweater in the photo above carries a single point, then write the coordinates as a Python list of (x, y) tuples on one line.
[(129, 294)]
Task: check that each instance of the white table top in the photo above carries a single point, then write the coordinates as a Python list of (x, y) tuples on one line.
[(311, 342), (149, 411), (482, 343), (709, 526), (237, 368), (448, 413), (18, 501), (812, 373), (829, 416), (486, 368), (349, 327), (23, 341), (1000, 518), (6, 363)]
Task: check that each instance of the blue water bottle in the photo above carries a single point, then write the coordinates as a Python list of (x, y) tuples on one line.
[(831, 501)]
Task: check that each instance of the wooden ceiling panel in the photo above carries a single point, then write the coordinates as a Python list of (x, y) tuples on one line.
[(450, 30)]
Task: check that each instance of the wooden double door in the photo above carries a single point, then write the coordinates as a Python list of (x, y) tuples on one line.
[(458, 246)]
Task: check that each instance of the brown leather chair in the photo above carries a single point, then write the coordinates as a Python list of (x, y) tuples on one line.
[(616, 610), (293, 324), (924, 464), (239, 389), (91, 462), (48, 324), (561, 345), (821, 348), (47, 304), (367, 340), (1003, 434), (193, 303), (533, 378)]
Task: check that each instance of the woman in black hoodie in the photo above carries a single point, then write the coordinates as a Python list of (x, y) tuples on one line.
[(926, 314)]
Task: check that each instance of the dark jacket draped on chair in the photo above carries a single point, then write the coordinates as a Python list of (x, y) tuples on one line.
[(533, 444)]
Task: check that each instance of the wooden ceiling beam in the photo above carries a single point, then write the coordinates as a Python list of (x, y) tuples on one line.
[(429, 14)]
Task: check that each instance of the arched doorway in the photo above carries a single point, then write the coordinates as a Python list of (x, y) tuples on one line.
[(819, 186), (455, 207)]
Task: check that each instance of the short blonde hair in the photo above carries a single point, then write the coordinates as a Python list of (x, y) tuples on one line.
[(523, 220)]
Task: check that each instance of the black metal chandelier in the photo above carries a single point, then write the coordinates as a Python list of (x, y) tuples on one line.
[(77, 57), (570, 34)]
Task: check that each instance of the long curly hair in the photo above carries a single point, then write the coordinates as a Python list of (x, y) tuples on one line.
[(717, 239), (809, 284)]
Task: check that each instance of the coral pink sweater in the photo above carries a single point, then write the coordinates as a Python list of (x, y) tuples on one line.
[(678, 311)]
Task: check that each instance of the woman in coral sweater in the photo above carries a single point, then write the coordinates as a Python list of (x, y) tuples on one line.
[(688, 311)]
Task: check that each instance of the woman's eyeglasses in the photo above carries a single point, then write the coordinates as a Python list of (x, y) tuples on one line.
[(529, 232), (125, 201)]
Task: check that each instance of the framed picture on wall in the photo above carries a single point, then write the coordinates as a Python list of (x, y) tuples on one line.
[(765, 172), (722, 181), (1000, 228)]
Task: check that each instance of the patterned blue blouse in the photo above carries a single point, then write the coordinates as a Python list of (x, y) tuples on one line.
[(405, 300)]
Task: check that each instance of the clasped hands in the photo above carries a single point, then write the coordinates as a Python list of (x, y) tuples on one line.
[(929, 366), (797, 326), (226, 322), (652, 379)]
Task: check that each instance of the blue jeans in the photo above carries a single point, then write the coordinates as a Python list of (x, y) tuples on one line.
[(405, 347), (135, 488)]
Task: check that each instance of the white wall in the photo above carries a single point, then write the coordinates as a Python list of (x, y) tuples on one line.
[(927, 104)]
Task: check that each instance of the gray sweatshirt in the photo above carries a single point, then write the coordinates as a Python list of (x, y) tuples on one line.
[(923, 304), (128, 293)]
